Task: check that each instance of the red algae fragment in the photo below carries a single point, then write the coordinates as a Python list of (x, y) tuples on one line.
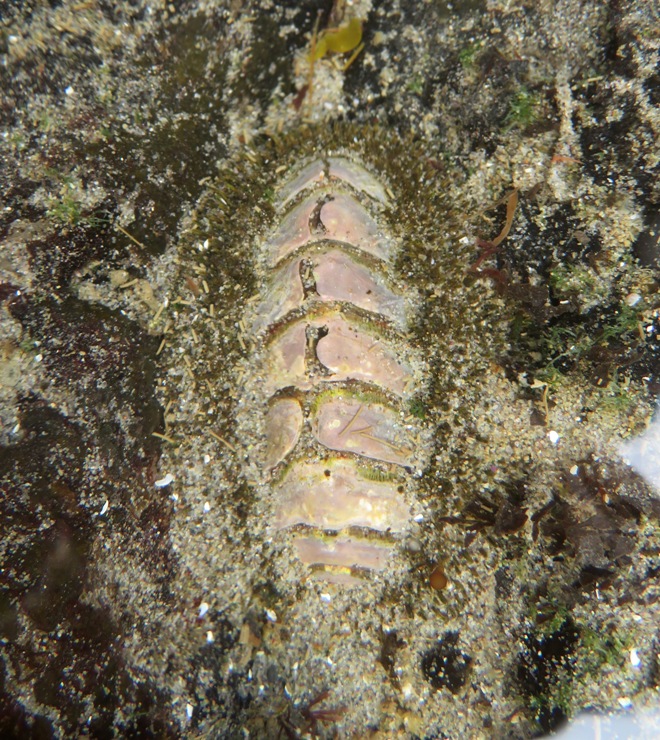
[(283, 424), (353, 354), (373, 431), (511, 205), (308, 495)]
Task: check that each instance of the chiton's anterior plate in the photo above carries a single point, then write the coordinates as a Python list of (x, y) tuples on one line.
[(334, 168), (357, 176)]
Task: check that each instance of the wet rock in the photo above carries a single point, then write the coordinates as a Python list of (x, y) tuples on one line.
[(446, 665)]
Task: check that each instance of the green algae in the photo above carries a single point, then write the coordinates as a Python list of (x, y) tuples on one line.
[(523, 110)]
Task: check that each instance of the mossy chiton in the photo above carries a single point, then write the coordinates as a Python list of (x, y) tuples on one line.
[(297, 342), (332, 367)]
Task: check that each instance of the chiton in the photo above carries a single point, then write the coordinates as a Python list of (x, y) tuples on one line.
[(334, 371)]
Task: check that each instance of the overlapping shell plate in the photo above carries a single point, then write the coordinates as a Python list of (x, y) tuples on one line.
[(333, 372)]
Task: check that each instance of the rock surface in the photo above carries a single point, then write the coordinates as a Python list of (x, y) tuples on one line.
[(142, 591)]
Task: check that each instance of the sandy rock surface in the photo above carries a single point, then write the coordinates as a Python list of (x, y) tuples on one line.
[(145, 151)]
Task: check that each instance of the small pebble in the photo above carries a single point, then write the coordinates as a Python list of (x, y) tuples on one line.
[(438, 579)]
